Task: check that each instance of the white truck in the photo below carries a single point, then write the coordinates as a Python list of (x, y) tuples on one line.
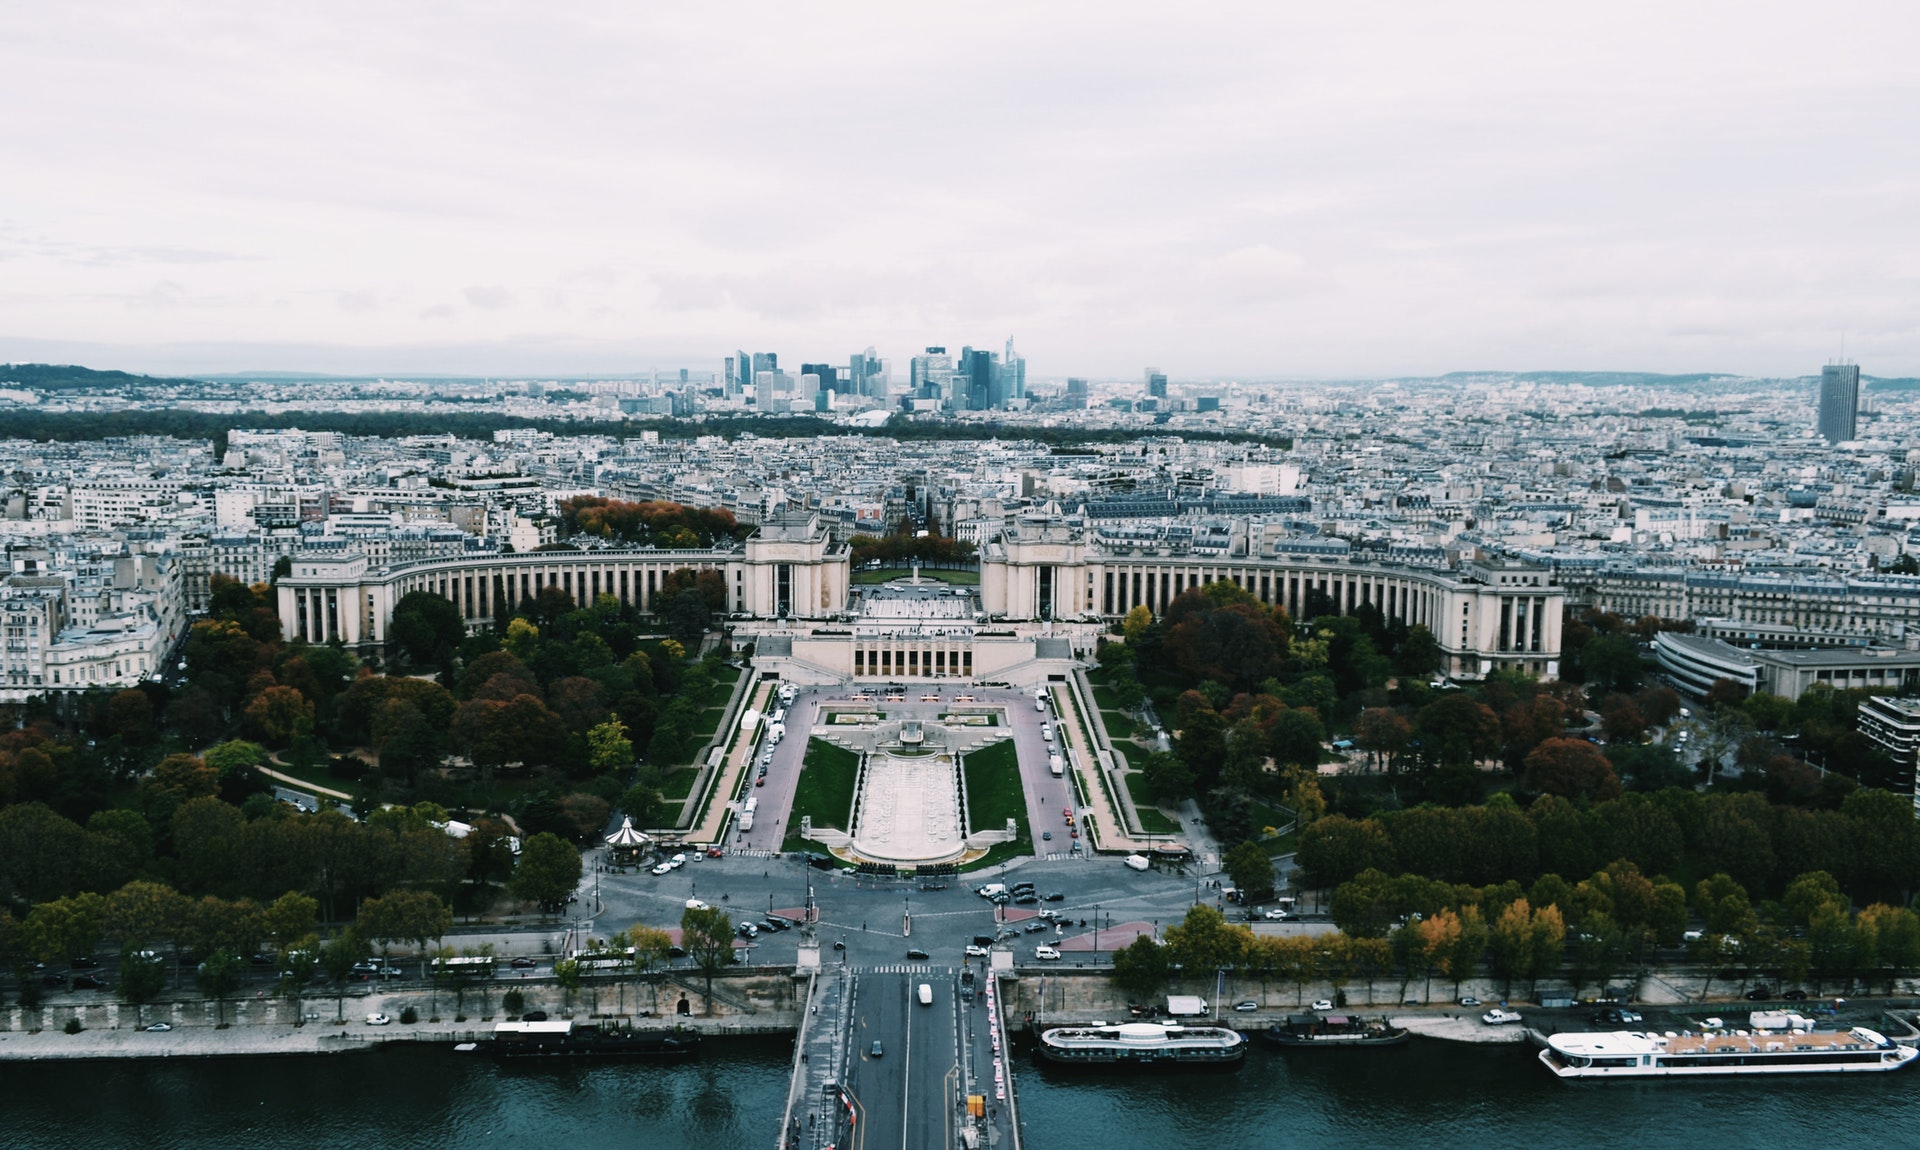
[(1056, 764), (776, 732), (926, 995)]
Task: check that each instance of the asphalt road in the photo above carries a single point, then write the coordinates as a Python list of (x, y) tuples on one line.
[(905, 1097)]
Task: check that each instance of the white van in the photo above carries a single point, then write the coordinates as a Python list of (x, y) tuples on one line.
[(1040, 703), (1056, 765), (926, 995), (1137, 862)]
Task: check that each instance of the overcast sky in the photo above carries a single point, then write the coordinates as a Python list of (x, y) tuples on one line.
[(1260, 190)]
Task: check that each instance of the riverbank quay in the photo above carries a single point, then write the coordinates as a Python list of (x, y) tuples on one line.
[(761, 1002)]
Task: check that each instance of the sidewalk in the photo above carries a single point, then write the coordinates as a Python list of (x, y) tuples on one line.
[(738, 760), (1109, 832)]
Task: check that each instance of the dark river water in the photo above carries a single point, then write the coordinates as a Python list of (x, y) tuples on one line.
[(1423, 1096)]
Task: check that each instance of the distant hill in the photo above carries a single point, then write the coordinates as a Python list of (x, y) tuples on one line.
[(1899, 383), (68, 377)]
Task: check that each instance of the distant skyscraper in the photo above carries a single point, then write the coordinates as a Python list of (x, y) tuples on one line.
[(973, 380), (1077, 387), (931, 374), (867, 374), (1013, 371), (1839, 401), (1156, 383)]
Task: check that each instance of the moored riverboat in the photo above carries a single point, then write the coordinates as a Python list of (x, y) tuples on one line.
[(1143, 1044), (1634, 1054), (563, 1038), (1334, 1031)]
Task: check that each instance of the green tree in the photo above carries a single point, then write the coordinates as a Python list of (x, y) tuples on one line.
[(290, 918), (1296, 738), (1456, 730), (1203, 941), (707, 935), (218, 978), (143, 975), (1896, 931), (56, 931), (425, 629), (337, 960), (1136, 624), (234, 755), (608, 748), (1140, 968), (1251, 870), (548, 871)]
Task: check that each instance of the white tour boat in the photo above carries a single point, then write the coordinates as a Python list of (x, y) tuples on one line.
[(1633, 1054)]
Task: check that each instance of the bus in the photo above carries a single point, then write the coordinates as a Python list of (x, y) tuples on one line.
[(465, 966)]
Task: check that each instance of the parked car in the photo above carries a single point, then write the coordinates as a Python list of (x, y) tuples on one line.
[(1276, 914), (696, 904), (663, 868), (89, 982), (1499, 1017), (534, 1016), (1469, 1000), (157, 1027), (1046, 954), (1794, 996), (1323, 1004), (378, 1020), (1760, 994), (524, 963), (1246, 1004)]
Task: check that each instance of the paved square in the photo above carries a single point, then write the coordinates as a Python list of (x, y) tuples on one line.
[(910, 809)]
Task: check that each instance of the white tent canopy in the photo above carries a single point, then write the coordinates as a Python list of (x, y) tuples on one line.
[(626, 838)]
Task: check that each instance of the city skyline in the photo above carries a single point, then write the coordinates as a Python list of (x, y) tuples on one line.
[(1247, 193)]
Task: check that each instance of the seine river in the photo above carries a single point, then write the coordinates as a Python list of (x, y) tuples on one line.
[(1426, 1095)]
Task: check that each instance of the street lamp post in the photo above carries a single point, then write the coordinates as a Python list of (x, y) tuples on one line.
[(1096, 934)]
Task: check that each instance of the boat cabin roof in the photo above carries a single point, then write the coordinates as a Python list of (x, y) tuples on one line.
[(1629, 1042)]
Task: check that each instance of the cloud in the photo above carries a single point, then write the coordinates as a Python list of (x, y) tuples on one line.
[(489, 298), (1246, 189)]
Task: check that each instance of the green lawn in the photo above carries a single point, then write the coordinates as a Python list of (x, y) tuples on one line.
[(709, 723), (824, 790), (1002, 852), (794, 843), (718, 694), (1105, 699), (678, 783), (1279, 845), (994, 794), (1151, 820), (889, 574), (1119, 727)]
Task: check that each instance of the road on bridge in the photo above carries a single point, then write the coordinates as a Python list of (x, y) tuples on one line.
[(906, 1097)]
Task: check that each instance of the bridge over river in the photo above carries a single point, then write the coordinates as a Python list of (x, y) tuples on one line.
[(941, 1077)]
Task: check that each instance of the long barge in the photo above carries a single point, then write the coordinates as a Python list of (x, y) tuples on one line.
[(1333, 1032)]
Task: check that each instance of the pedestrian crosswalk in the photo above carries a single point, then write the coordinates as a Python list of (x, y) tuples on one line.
[(907, 968), (748, 853)]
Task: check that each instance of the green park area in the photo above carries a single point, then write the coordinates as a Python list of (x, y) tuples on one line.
[(889, 574), (824, 791), (994, 793)]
